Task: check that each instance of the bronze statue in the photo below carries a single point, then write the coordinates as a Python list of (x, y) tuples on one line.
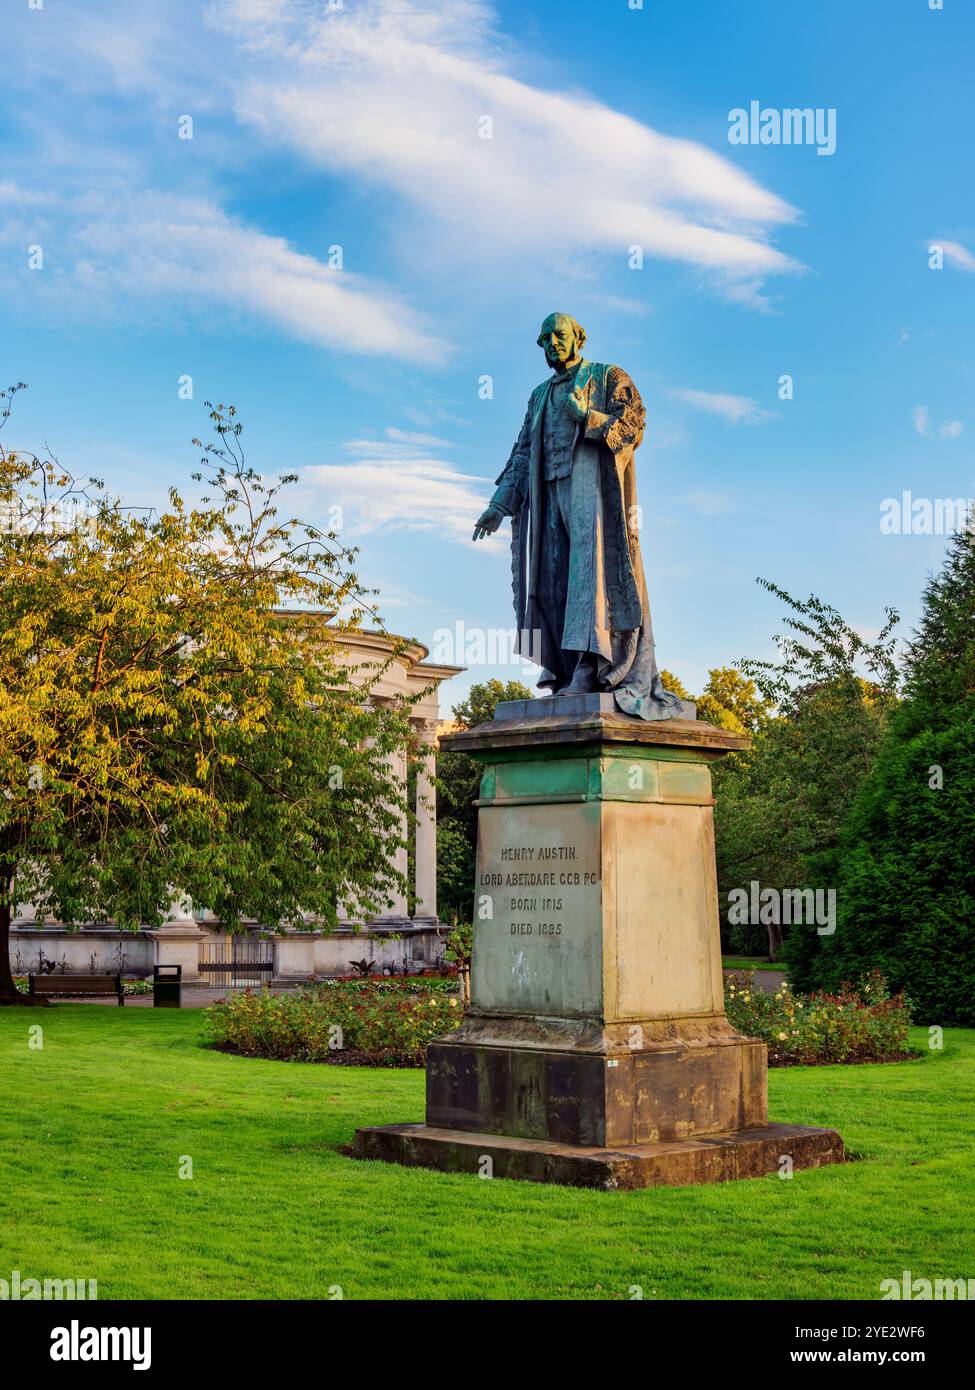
[(581, 602)]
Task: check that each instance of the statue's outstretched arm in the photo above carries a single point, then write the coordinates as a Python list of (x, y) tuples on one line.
[(512, 484)]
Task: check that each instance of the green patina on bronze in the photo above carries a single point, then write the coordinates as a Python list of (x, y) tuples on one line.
[(598, 775), (557, 752), (582, 612)]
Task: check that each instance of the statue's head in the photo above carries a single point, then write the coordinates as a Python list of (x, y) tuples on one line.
[(561, 339)]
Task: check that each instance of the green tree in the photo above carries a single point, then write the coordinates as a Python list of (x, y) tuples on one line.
[(482, 700), (164, 729), (675, 685), (940, 657), (824, 704), (906, 893), (732, 701), (458, 786)]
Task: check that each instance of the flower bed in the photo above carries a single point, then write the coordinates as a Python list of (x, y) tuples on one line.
[(390, 1021), (383, 1023), (434, 983), (866, 1024)]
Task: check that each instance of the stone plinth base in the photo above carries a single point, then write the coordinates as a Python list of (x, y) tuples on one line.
[(573, 707), (745, 1153), (681, 1080), (596, 1051)]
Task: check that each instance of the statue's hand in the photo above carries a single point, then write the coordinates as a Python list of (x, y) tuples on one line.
[(577, 404), (488, 522)]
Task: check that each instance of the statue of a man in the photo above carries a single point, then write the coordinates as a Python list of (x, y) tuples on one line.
[(570, 489)]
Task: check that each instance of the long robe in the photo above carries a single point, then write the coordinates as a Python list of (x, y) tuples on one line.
[(606, 611)]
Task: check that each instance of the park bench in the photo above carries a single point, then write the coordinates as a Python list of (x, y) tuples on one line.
[(75, 986)]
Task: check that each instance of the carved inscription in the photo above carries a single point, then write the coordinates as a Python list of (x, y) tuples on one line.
[(554, 867)]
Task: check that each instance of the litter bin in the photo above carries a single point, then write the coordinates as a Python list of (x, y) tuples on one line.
[(167, 986)]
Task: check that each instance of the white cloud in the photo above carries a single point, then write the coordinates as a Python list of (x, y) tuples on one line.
[(706, 503), (148, 52), (924, 425), (618, 303), (394, 92), (425, 441), (956, 255), (22, 197), (378, 493), (737, 410), (178, 249), (666, 438), (387, 93), (922, 421), (396, 596)]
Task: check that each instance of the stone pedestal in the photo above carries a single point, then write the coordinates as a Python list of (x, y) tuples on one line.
[(294, 957), (178, 943), (596, 1050)]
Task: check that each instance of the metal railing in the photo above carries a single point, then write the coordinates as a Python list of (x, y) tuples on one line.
[(237, 963)]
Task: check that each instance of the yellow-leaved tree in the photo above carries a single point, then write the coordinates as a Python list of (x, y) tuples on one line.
[(165, 728)]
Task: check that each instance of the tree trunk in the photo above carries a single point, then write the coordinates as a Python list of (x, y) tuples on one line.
[(9, 993), (774, 940)]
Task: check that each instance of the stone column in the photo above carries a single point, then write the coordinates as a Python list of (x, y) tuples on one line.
[(177, 942), (425, 858), (294, 957), (396, 914)]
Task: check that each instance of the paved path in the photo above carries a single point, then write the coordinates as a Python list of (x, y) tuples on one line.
[(192, 998), (768, 980), (196, 997)]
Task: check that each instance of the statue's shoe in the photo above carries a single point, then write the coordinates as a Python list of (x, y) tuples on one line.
[(582, 683)]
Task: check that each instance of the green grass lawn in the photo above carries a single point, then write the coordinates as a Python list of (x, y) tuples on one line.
[(93, 1127), (750, 963)]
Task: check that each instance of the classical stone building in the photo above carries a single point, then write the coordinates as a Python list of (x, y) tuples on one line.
[(407, 932)]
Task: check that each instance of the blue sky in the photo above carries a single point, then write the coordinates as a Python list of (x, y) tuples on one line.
[(359, 127)]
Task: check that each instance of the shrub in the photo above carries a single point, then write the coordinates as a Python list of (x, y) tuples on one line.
[(779, 806), (857, 1025), (460, 945), (373, 1023), (409, 984), (906, 889), (906, 892)]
